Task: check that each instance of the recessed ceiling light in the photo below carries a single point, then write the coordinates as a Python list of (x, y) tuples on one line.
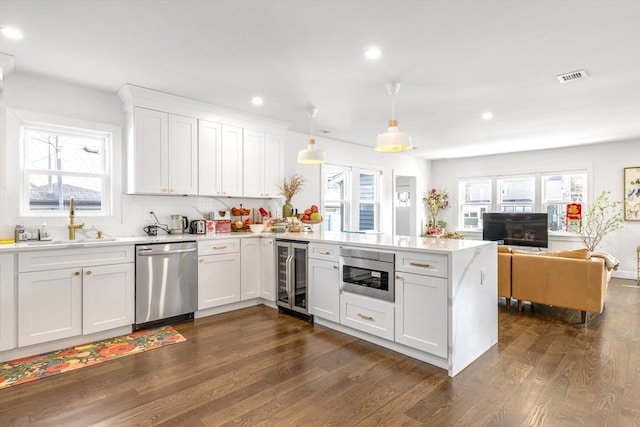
[(372, 53), (487, 115), (12, 33), (256, 100)]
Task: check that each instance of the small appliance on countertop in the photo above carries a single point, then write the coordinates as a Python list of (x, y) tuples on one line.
[(198, 226), (178, 224)]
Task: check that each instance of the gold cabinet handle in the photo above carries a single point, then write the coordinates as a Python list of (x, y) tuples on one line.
[(335, 267), (324, 252), (365, 317), (88, 273), (77, 273), (419, 264), (220, 247), (399, 277), (201, 260), (164, 190), (171, 190)]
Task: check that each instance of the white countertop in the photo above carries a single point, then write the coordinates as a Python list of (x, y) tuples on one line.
[(380, 241)]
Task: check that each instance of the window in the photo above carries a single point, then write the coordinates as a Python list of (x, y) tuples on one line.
[(61, 162), (548, 192), (351, 199), (475, 200)]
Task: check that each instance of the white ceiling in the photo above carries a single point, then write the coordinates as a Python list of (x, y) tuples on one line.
[(454, 59)]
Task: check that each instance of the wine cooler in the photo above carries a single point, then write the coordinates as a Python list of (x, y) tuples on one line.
[(291, 277)]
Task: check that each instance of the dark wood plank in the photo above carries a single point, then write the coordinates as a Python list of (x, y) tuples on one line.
[(260, 367)]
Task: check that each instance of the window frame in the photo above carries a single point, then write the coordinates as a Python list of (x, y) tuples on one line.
[(12, 160), (540, 204)]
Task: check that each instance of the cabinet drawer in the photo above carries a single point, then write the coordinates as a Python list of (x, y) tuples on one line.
[(422, 263), (324, 251), (219, 246), (74, 258), (367, 314)]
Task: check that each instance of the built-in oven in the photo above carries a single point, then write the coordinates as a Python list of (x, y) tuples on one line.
[(368, 272)]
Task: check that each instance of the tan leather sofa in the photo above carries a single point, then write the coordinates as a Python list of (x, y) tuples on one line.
[(504, 273), (574, 279)]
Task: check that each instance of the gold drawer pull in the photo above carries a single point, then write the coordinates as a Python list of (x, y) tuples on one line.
[(399, 277), (365, 317), (335, 267), (419, 264), (324, 252), (77, 273), (201, 260), (220, 247), (88, 273)]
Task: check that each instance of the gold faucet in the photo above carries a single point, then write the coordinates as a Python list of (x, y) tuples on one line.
[(72, 220)]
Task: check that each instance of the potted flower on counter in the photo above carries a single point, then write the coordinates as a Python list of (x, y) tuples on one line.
[(290, 187), (435, 201)]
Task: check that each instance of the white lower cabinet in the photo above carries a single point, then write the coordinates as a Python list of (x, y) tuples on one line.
[(106, 292), (49, 305), (92, 290), (421, 312), (249, 268), (367, 314), (7, 303), (324, 289), (218, 273), (267, 269)]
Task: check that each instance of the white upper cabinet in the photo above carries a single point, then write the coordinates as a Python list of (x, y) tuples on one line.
[(262, 164), (209, 158), (231, 161), (164, 148)]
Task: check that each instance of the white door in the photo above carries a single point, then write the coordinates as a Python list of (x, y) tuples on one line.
[(150, 151), (267, 269), (183, 155), (273, 170), (218, 280), (324, 289), (421, 312), (49, 305), (249, 268), (231, 161), (7, 303), (108, 297), (208, 158), (253, 163)]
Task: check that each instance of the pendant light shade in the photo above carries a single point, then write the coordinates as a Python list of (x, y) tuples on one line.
[(393, 141), (312, 155)]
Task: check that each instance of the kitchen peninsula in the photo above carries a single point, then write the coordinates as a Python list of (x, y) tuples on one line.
[(444, 311)]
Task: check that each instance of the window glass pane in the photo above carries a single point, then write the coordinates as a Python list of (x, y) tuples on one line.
[(564, 187), (333, 218), (52, 192), (58, 151), (368, 187), (517, 189), (367, 217), (472, 215), (477, 191)]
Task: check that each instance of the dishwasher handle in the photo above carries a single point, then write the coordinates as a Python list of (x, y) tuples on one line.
[(151, 252)]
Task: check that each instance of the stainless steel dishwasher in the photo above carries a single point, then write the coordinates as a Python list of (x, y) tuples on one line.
[(166, 283)]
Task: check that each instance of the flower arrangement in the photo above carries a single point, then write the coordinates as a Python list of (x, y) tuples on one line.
[(435, 201), (291, 186)]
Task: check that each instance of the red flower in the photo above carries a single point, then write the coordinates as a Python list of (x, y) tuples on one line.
[(117, 349), (57, 366)]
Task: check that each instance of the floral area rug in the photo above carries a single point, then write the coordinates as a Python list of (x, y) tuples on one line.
[(31, 368)]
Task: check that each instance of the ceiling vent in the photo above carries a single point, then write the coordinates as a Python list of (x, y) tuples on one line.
[(574, 75)]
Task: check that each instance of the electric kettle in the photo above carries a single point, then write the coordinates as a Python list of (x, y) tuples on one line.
[(178, 224)]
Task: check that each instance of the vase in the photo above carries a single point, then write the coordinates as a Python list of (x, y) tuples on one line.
[(287, 209)]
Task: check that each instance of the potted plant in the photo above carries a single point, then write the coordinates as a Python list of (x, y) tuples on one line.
[(290, 187), (435, 201), (602, 217)]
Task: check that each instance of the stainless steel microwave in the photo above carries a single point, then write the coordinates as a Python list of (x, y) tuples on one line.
[(368, 272)]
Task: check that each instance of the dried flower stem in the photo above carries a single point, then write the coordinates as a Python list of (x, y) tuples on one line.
[(291, 186)]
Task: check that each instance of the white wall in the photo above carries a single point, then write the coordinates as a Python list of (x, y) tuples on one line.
[(34, 93), (605, 163)]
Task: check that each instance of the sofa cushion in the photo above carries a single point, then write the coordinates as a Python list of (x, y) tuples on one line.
[(504, 249), (583, 253)]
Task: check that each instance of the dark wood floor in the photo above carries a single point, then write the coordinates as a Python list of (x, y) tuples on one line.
[(259, 367)]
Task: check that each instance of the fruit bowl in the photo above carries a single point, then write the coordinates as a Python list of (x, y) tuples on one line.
[(257, 228), (308, 221)]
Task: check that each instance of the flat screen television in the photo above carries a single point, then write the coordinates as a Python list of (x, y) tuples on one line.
[(516, 229)]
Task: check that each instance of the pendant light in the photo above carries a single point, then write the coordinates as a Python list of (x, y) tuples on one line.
[(311, 156), (393, 141)]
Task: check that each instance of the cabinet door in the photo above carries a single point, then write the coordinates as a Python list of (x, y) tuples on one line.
[(209, 135), (218, 280), (324, 289), (231, 161), (421, 312), (49, 305), (183, 155), (253, 163), (150, 151), (249, 268), (108, 296), (273, 171), (267, 269), (7, 303)]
